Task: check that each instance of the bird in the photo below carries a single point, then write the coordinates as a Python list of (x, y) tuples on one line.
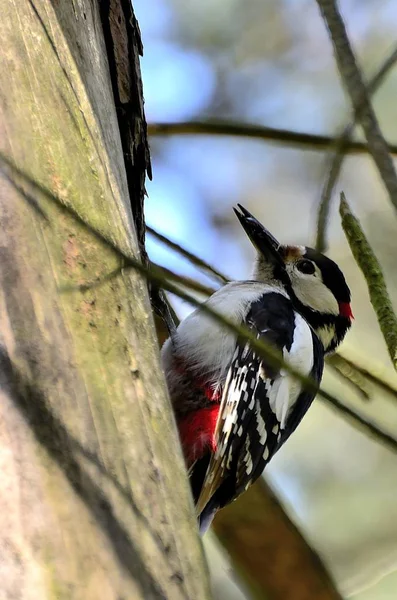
[(233, 409)]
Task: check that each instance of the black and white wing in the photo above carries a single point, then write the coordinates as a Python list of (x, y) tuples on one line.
[(260, 406)]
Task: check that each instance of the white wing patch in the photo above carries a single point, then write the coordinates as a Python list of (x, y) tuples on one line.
[(280, 398), (285, 389)]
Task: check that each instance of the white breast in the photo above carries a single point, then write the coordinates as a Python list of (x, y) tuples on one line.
[(205, 342)]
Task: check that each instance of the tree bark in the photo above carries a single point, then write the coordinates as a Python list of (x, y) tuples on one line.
[(95, 502)]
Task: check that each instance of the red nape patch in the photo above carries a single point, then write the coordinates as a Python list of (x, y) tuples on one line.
[(197, 432), (345, 310)]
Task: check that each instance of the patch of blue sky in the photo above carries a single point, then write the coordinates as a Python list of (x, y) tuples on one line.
[(178, 82)]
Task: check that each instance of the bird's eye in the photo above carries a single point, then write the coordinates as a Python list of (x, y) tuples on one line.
[(305, 266)]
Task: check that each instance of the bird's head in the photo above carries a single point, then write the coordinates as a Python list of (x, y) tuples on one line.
[(315, 283)]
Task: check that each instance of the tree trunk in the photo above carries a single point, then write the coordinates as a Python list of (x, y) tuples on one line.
[(95, 502)]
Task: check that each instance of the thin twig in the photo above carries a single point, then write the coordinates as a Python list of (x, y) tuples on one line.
[(187, 282), (372, 271), (354, 84), (372, 376), (349, 374), (295, 139), (340, 154), (193, 258), (364, 424)]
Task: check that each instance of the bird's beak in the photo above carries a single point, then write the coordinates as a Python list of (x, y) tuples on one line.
[(264, 242)]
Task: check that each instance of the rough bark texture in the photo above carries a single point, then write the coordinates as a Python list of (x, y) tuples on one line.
[(124, 46), (94, 500), (269, 552)]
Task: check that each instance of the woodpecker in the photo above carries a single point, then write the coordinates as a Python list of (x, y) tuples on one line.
[(233, 410)]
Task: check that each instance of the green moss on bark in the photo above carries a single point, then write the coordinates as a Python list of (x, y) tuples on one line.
[(372, 271)]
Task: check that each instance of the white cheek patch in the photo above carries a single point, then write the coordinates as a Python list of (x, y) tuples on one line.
[(312, 292)]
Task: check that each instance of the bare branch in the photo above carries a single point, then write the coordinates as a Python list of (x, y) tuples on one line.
[(349, 374), (193, 258), (372, 271), (187, 282), (339, 156), (268, 550), (372, 374), (363, 424), (354, 84), (294, 139)]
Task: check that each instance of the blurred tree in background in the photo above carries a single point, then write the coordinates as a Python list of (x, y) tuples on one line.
[(270, 64)]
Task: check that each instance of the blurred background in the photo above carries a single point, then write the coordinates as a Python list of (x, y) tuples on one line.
[(271, 63)]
